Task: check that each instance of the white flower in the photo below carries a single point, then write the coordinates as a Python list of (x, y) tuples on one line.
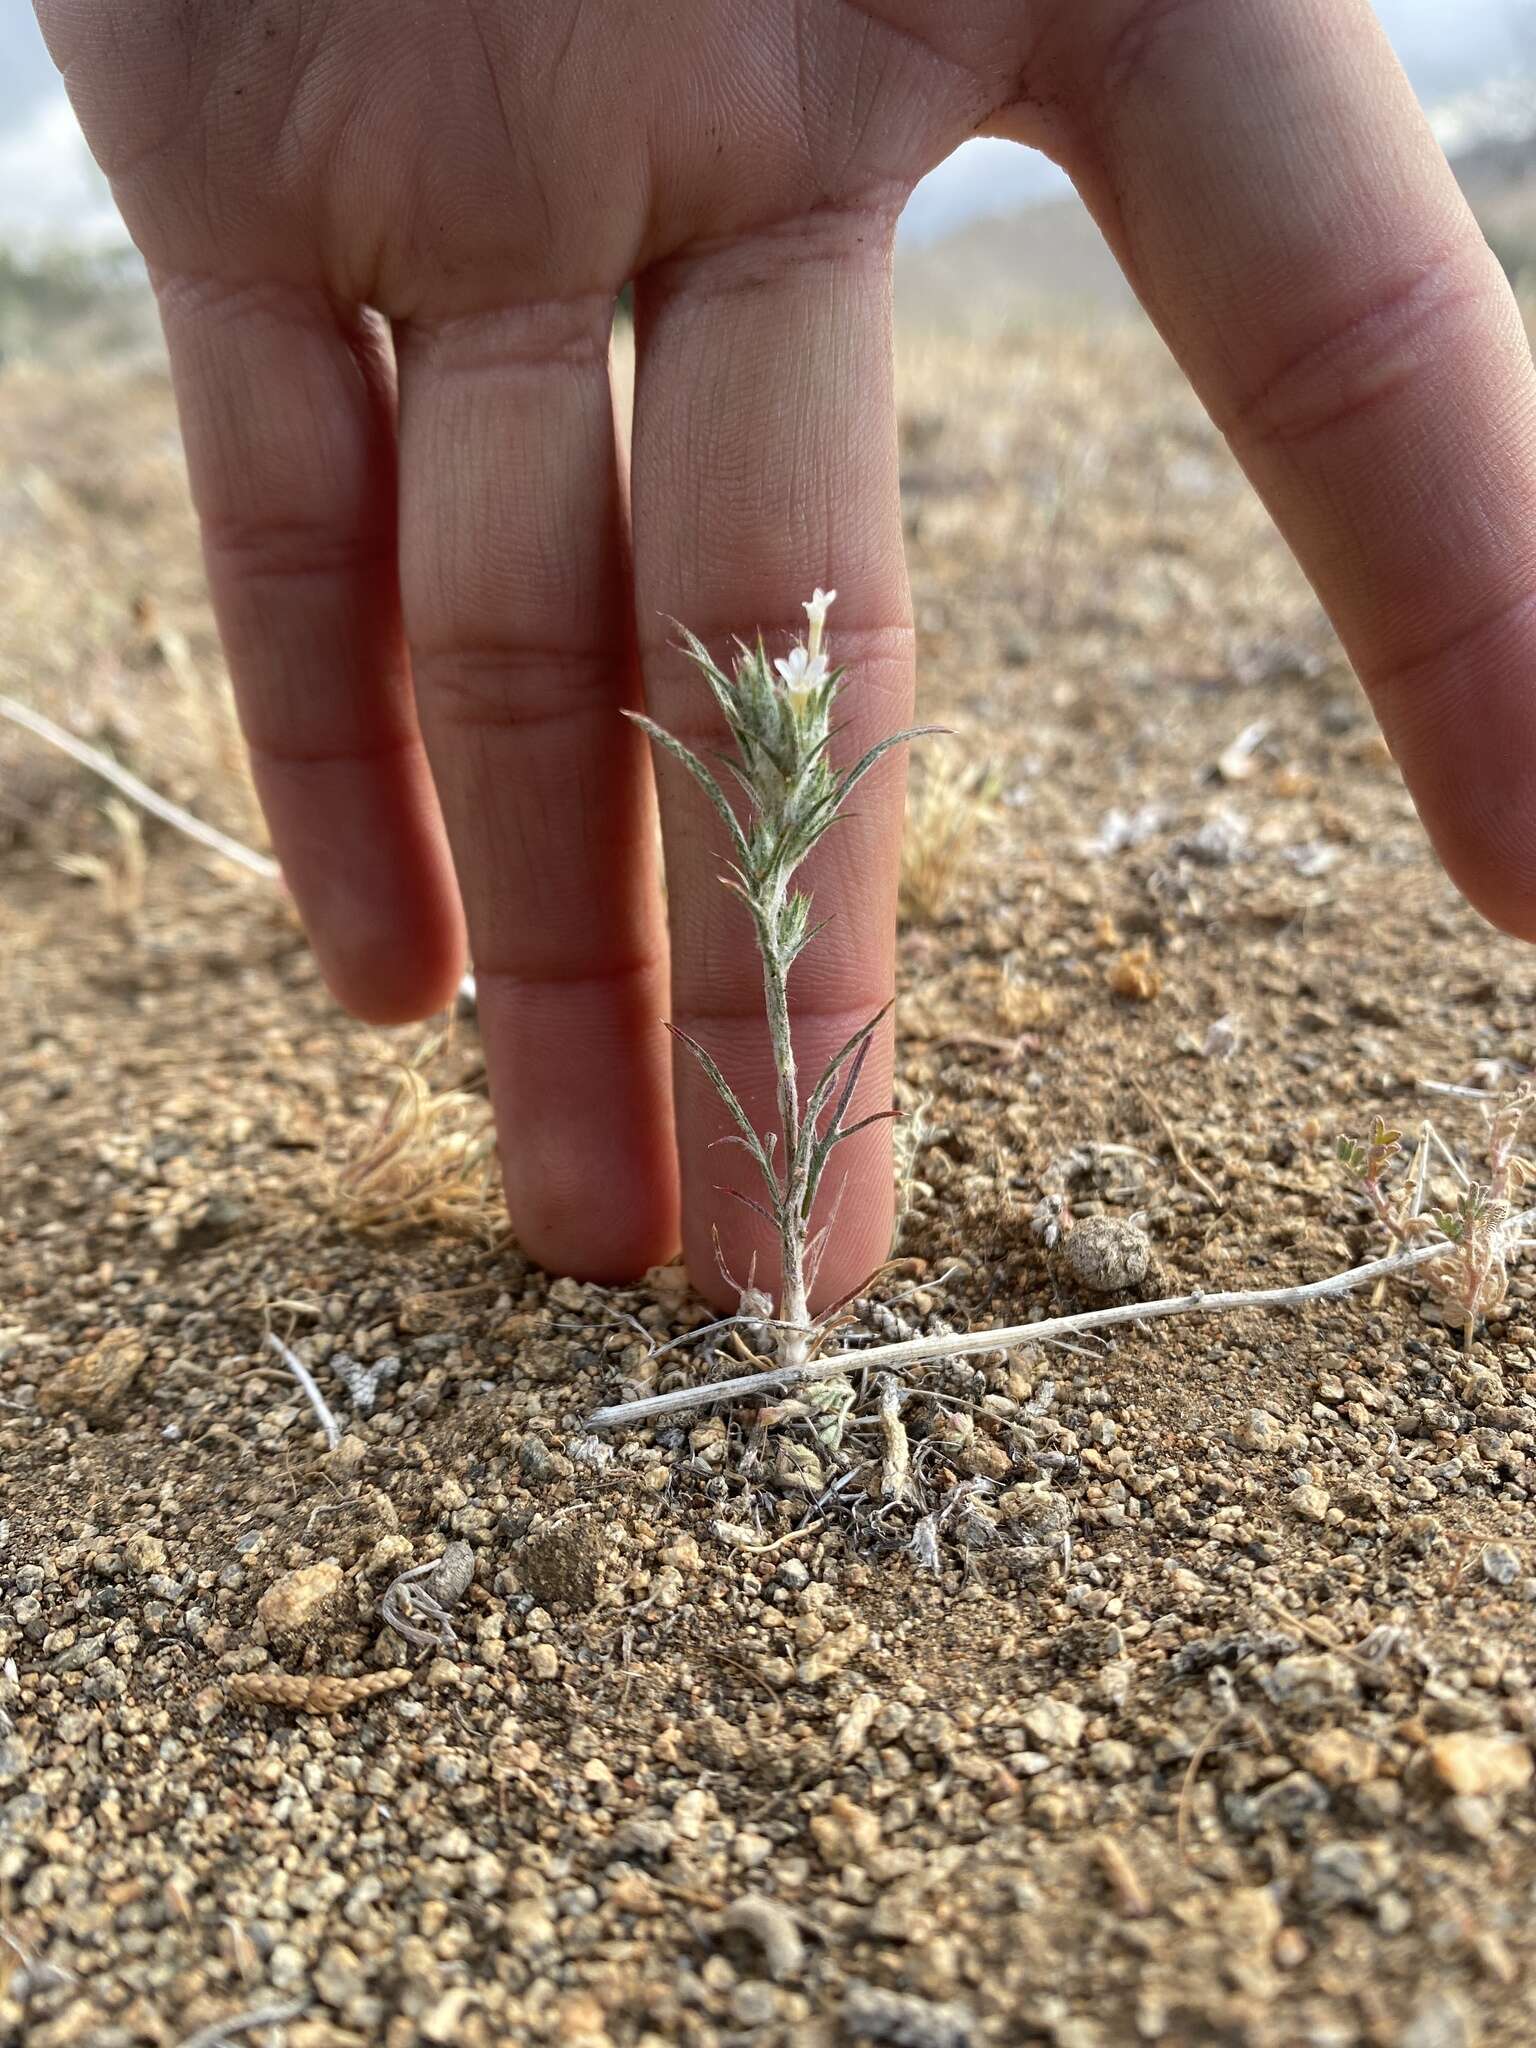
[(802, 671), (816, 611)]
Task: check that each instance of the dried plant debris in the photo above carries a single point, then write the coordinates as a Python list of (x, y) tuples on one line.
[(428, 1163), (364, 1382), (418, 1605), (949, 804), (311, 1693), (1481, 1225), (936, 1472), (120, 875)]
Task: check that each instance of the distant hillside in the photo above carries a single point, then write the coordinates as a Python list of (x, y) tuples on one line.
[(1498, 175), (1052, 258), (1044, 257)]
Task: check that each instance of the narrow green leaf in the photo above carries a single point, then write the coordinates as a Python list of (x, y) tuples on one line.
[(857, 773), (701, 776), (821, 1094), (700, 655), (761, 1155), (727, 1095), (757, 1208), (811, 932), (824, 1141), (829, 1145)]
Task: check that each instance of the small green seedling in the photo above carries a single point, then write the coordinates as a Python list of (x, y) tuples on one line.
[(780, 717), (1483, 1230)]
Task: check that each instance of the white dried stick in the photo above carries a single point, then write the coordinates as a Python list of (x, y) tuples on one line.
[(890, 1357)]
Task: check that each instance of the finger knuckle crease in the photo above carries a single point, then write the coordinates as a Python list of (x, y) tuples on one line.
[(513, 688), (292, 550), (1362, 362), (1130, 52), (1466, 637)]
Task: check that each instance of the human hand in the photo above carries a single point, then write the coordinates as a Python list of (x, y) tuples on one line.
[(387, 239)]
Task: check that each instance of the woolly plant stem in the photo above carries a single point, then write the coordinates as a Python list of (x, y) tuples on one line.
[(794, 1308)]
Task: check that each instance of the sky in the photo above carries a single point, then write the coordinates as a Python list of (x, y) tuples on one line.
[(49, 189)]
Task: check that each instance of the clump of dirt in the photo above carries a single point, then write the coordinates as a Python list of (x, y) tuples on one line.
[(1177, 1688), (561, 1564)]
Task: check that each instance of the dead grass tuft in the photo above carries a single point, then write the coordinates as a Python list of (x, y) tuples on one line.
[(948, 808), (120, 875), (429, 1163)]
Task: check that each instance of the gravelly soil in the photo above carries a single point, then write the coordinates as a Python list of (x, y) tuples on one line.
[(1186, 1697)]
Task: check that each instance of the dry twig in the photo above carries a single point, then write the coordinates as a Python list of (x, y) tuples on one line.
[(131, 786), (158, 806), (916, 1350), (306, 1380)]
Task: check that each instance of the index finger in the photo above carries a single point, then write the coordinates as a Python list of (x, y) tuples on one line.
[(1280, 205)]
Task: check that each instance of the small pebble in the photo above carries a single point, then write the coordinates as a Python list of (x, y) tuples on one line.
[(1500, 1564), (300, 1600), (544, 1660), (1481, 1763)]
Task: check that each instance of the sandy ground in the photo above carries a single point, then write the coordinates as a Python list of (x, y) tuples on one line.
[(1184, 1695)]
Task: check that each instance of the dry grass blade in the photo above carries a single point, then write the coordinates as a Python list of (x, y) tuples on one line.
[(120, 876), (137, 790), (429, 1163), (948, 807), (259, 2016)]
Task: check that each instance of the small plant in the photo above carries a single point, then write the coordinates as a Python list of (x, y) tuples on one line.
[(779, 714), (1480, 1233)]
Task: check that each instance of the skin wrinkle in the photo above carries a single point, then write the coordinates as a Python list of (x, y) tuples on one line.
[(1126, 58), (1394, 680), (285, 754), (925, 46), (1378, 348), (291, 553), (516, 154)]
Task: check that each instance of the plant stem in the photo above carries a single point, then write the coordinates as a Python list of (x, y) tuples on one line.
[(794, 1310)]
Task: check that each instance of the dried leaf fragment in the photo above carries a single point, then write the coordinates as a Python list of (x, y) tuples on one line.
[(1134, 976), (312, 1693), (94, 1384)]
